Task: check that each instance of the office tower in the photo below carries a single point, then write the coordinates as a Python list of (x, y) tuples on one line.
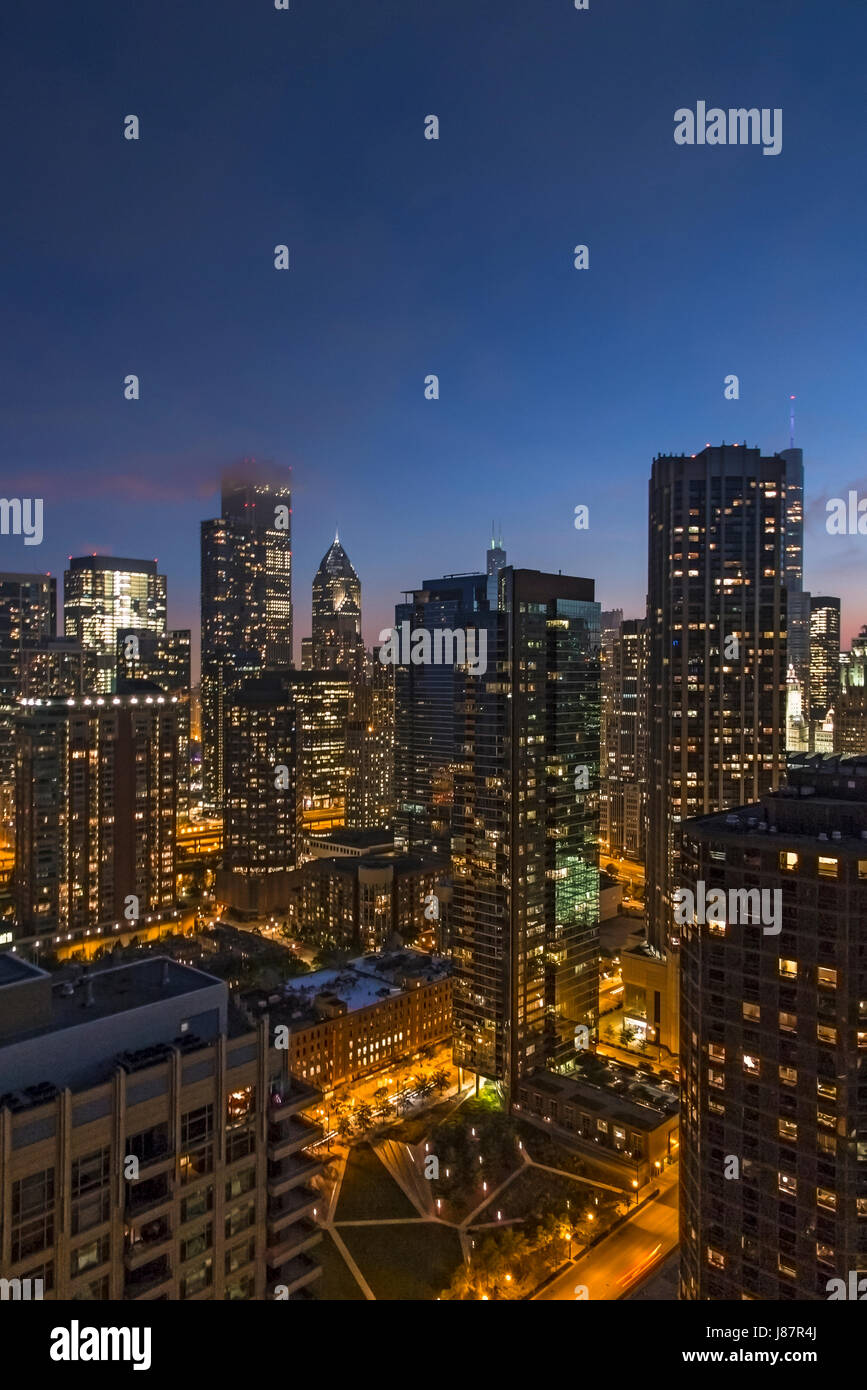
[(852, 672), (793, 531), (425, 734), (495, 561), (287, 777), (160, 660), (58, 666), (336, 639), (261, 812), (525, 825), (246, 598), (103, 594), (716, 678), (824, 654), (774, 1025), (149, 1061), (623, 741), (28, 617), (96, 792)]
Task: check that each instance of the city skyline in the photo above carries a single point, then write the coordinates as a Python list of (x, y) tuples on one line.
[(557, 386)]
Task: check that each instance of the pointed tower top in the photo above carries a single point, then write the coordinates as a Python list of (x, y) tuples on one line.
[(336, 536)]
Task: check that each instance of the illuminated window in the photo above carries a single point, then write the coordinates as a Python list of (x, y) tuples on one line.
[(788, 860), (788, 969), (827, 867)]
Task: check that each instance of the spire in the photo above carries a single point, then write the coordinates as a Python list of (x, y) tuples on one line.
[(792, 423), (336, 536)]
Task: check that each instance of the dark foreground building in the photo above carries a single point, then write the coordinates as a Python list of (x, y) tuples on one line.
[(773, 1035)]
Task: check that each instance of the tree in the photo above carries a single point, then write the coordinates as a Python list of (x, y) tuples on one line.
[(363, 1116), (386, 1111), (441, 1079), (424, 1086), (380, 1095), (403, 1103), (344, 1127)]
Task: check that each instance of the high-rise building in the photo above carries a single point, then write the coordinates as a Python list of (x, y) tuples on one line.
[(495, 561), (287, 777), (96, 791), (623, 741), (102, 595), (426, 736), (162, 661), (246, 598), (774, 1025), (824, 654), (716, 677), (149, 1061), (28, 618), (261, 813), (524, 826), (336, 640)]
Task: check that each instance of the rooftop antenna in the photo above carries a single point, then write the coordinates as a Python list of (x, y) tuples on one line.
[(792, 422)]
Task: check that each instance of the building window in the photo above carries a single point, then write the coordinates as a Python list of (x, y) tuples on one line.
[(825, 1033), (788, 1076), (787, 1129), (826, 1198), (827, 976), (788, 860), (197, 1279), (827, 867), (751, 1011), (752, 1065), (32, 1214), (89, 1256), (787, 1184), (788, 969), (197, 1244), (199, 1204), (788, 1023)]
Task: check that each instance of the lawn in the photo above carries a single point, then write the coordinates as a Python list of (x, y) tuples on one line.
[(337, 1283), (406, 1263), (534, 1192), (368, 1193)]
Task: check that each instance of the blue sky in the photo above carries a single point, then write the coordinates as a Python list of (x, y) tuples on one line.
[(411, 257)]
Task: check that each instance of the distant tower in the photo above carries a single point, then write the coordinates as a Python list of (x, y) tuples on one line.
[(336, 640), (496, 558)]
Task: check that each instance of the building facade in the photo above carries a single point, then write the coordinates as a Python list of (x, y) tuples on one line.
[(773, 1036), (103, 595), (525, 904)]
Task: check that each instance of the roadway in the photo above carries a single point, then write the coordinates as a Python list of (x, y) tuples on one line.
[(623, 1260)]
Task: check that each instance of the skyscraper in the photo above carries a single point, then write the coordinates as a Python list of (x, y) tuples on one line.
[(774, 1026), (336, 638), (103, 594), (96, 792), (525, 824), (246, 597), (716, 677), (426, 735), (162, 661), (28, 618), (824, 654), (624, 741)]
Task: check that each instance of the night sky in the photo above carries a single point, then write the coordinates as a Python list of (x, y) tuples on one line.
[(411, 257)]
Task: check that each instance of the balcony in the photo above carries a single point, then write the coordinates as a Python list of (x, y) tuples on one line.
[(153, 1239), (150, 1281), (291, 1097), (295, 1275), (290, 1171), (300, 1236), (294, 1203), (150, 1195), (293, 1134)]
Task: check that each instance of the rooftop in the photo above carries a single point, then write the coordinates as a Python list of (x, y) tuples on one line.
[(367, 980)]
